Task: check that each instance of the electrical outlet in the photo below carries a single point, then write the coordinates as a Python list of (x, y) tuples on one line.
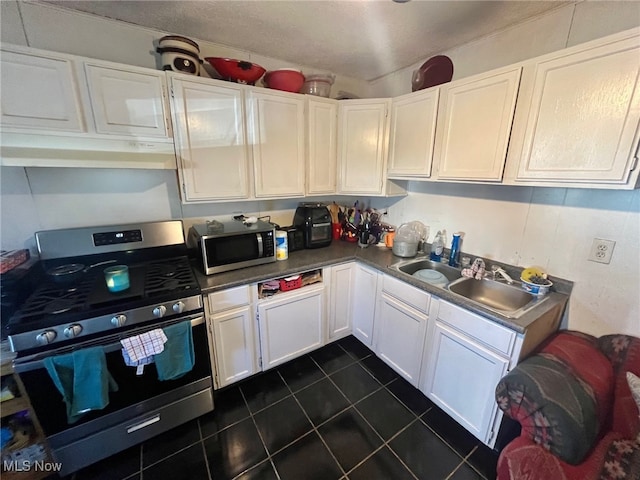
[(601, 250)]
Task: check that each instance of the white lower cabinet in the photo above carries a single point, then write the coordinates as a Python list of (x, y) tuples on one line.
[(291, 324), (364, 305), (231, 323), (401, 326), (465, 358), (340, 300)]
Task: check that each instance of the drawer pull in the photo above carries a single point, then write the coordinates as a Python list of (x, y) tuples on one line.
[(144, 424)]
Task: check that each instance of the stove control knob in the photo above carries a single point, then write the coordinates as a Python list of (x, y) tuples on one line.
[(46, 337), (178, 307), (72, 330), (159, 311), (119, 320)]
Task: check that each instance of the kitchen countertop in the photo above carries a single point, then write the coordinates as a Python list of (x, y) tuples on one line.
[(379, 258)]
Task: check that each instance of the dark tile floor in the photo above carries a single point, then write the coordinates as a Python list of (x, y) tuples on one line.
[(337, 413)]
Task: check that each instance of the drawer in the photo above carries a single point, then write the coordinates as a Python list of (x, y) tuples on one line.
[(412, 296), (230, 298), (491, 334)]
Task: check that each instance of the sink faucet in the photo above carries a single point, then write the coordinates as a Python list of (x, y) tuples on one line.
[(496, 270)]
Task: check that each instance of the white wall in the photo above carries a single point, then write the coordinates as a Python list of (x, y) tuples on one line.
[(552, 227)]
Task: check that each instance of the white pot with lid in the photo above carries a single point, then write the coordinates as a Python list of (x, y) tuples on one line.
[(179, 54)]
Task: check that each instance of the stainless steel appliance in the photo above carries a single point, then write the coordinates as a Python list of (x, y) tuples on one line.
[(64, 317), (224, 246), (314, 220)]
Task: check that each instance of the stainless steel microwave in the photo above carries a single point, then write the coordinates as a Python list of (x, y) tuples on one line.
[(224, 246)]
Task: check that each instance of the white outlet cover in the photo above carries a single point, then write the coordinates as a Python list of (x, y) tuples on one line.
[(601, 250)]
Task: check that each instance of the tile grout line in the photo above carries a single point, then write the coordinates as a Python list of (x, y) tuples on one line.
[(314, 428), (384, 443), (264, 445), (204, 451)]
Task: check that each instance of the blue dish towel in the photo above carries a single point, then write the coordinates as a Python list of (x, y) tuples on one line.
[(83, 380), (178, 356)]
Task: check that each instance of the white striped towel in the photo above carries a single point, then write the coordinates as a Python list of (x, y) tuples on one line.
[(144, 345)]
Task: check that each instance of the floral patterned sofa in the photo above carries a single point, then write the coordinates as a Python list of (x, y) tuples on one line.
[(578, 417)]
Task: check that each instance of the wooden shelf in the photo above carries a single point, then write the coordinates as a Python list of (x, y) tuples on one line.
[(15, 405)]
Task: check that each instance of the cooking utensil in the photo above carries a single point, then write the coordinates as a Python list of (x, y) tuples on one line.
[(238, 71), (435, 71), (179, 54), (71, 272), (403, 248)]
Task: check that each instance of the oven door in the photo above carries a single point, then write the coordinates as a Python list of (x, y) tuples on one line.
[(142, 407)]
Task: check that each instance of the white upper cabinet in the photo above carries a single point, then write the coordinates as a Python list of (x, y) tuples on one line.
[(322, 154), (362, 145), (40, 92), (127, 100), (474, 124), (210, 138), (580, 115), (67, 111), (412, 135), (277, 133)]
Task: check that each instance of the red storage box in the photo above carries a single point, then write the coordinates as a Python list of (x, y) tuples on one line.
[(11, 259), (290, 283)]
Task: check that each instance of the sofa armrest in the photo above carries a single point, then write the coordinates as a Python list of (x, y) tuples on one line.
[(559, 404)]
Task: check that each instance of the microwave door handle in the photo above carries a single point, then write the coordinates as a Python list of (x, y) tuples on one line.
[(260, 245)]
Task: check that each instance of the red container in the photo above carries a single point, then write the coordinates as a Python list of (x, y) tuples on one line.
[(285, 285), (285, 79), (236, 70)]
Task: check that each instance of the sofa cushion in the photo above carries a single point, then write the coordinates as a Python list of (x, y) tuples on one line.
[(560, 396), (624, 354)]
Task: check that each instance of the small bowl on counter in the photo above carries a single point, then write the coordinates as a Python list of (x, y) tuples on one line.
[(536, 288)]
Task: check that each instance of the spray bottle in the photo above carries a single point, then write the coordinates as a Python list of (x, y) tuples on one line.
[(437, 247)]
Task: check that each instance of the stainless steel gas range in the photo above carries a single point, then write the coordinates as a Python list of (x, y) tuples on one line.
[(74, 310)]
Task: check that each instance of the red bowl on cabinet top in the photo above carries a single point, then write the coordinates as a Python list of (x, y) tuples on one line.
[(285, 79), (236, 70)]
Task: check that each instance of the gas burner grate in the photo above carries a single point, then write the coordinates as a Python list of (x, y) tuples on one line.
[(172, 275), (55, 299)]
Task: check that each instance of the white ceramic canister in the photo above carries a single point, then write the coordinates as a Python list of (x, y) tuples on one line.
[(179, 54), (282, 247)]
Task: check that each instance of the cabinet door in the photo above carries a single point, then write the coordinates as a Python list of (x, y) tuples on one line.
[(400, 337), (364, 304), (362, 145), (39, 92), (235, 347), (340, 304), (461, 379), (583, 114), (210, 140), (128, 102), (277, 142), (473, 135), (322, 154), (291, 325), (412, 135)]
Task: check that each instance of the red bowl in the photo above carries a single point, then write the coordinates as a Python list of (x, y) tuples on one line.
[(285, 79), (236, 70)]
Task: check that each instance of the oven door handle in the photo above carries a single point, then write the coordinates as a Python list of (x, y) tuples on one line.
[(36, 361)]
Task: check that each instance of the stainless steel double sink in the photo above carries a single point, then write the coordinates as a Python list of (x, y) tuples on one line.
[(507, 300)]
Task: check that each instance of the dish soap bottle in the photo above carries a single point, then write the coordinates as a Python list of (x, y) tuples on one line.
[(437, 247), (455, 250)]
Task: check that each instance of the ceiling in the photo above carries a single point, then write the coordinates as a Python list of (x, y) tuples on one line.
[(363, 39)]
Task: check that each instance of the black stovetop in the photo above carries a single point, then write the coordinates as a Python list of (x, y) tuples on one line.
[(151, 282)]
